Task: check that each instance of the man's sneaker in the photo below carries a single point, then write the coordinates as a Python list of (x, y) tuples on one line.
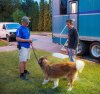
[(26, 72), (23, 77)]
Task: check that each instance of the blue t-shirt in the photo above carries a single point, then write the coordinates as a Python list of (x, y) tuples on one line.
[(24, 33)]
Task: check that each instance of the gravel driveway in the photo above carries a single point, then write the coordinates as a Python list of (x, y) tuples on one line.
[(39, 42)]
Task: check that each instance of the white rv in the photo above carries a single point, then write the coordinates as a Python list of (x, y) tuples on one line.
[(8, 30)]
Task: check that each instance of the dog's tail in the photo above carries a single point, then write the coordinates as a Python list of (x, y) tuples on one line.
[(80, 65)]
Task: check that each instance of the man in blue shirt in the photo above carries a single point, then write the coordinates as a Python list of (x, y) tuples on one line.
[(23, 39)]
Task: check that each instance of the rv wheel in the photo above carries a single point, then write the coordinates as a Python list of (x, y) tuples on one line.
[(82, 48), (95, 50)]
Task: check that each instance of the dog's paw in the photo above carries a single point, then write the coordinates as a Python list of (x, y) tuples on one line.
[(45, 82), (70, 89), (68, 84), (54, 87), (77, 78)]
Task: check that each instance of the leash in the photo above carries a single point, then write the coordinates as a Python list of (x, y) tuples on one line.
[(34, 53)]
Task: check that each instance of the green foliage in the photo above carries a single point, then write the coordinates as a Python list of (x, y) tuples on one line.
[(35, 17), (17, 15), (45, 16), (7, 7), (50, 16), (41, 16), (28, 8)]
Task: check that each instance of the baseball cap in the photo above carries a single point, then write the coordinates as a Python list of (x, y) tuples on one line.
[(25, 19)]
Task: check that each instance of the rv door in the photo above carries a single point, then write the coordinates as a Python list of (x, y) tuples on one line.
[(73, 12)]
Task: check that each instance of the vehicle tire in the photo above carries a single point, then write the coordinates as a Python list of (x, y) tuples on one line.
[(95, 50), (82, 48), (8, 38)]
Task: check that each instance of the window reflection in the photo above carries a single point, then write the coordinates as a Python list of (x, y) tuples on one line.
[(73, 8)]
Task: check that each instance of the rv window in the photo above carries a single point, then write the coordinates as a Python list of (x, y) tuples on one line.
[(73, 8), (63, 7)]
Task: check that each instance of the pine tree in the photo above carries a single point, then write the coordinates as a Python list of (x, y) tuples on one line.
[(50, 16), (41, 16), (28, 8), (17, 15), (35, 17), (7, 7), (46, 16)]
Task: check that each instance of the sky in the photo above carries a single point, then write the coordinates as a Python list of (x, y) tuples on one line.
[(39, 0)]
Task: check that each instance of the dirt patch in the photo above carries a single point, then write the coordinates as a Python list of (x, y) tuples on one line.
[(3, 43)]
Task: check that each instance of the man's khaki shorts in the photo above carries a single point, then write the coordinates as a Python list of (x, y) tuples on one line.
[(24, 54)]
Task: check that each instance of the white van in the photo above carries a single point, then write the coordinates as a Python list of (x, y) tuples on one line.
[(8, 30)]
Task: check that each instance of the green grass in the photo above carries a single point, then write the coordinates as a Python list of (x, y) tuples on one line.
[(3, 43), (89, 82)]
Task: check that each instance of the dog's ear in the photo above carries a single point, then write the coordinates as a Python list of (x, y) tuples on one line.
[(41, 59), (45, 57)]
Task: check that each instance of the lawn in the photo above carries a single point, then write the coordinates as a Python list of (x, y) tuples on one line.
[(89, 82), (3, 43)]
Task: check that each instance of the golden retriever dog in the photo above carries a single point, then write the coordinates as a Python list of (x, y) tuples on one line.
[(55, 71)]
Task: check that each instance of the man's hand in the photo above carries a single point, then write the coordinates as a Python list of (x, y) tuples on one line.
[(31, 44), (23, 40), (73, 51), (30, 40), (67, 51)]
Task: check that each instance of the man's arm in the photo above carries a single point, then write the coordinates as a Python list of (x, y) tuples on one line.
[(23, 40), (76, 39)]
